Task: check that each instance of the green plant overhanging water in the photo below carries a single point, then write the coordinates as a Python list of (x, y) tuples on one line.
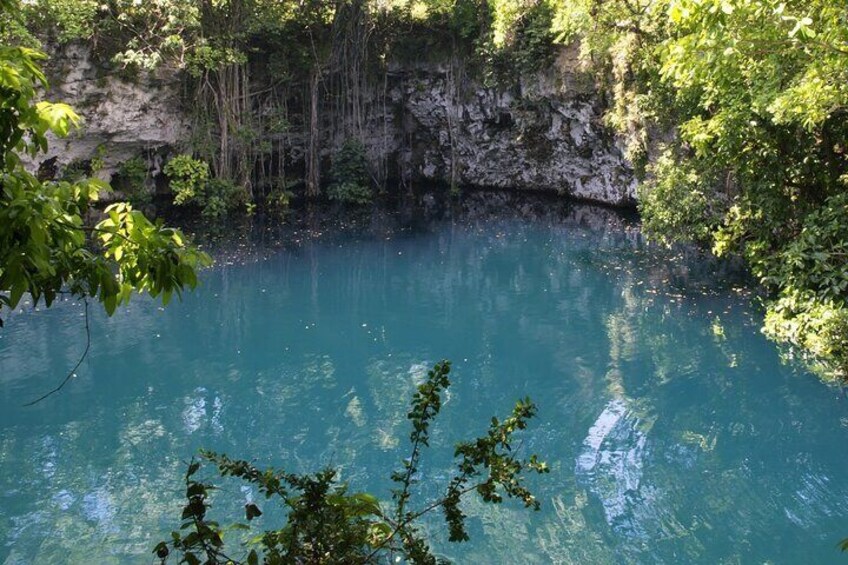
[(756, 95), (47, 247), (325, 524)]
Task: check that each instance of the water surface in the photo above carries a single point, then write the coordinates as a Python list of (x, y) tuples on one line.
[(672, 430)]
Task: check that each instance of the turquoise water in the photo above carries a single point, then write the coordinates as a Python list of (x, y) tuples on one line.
[(672, 430)]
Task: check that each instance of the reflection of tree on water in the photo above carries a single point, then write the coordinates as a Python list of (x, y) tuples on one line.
[(391, 382), (671, 432), (611, 462)]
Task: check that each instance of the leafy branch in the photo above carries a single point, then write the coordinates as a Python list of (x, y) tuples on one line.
[(324, 524)]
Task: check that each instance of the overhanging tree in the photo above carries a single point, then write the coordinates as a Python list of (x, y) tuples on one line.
[(48, 243)]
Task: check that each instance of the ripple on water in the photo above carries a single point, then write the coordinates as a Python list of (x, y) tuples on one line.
[(672, 431)]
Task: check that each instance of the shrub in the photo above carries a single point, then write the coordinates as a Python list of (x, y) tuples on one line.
[(191, 184), (130, 178), (350, 175), (220, 197), (277, 201), (76, 170), (188, 177)]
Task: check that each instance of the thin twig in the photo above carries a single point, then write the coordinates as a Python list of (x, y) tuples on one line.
[(74, 370), (411, 518)]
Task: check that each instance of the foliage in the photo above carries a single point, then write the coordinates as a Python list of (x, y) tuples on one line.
[(811, 275), (350, 175), (191, 184), (676, 201), (188, 177), (324, 523), (76, 170), (131, 177), (278, 200), (46, 246), (756, 92), (222, 197), (63, 20)]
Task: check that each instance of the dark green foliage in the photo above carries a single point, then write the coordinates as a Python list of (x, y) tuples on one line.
[(76, 170), (677, 203), (277, 201), (528, 46), (325, 524), (350, 175), (221, 197), (131, 179), (533, 47)]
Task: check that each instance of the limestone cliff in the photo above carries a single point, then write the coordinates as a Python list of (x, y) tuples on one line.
[(123, 117), (432, 122)]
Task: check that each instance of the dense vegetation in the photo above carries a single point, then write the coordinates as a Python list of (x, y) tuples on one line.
[(755, 93), (48, 246), (733, 113)]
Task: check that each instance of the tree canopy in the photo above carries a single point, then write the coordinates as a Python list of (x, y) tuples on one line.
[(756, 92)]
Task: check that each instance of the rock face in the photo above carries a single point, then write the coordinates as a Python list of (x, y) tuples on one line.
[(545, 133), (127, 118), (430, 122)]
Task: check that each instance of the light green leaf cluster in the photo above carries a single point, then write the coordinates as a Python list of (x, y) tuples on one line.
[(187, 177), (191, 184), (46, 246)]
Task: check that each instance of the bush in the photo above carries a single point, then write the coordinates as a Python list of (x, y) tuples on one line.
[(678, 203), (221, 197), (130, 178), (191, 184), (188, 177), (350, 175), (76, 170), (811, 274), (277, 201)]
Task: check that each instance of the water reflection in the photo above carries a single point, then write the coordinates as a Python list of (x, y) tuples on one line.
[(672, 431)]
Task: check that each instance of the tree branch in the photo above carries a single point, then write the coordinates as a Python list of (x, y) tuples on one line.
[(74, 370)]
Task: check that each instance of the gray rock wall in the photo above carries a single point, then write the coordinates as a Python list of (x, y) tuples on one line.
[(432, 123), (128, 117), (544, 133)]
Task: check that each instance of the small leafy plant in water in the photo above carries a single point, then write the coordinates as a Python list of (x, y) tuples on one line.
[(350, 175), (326, 524), (278, 200), (192, 185)]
